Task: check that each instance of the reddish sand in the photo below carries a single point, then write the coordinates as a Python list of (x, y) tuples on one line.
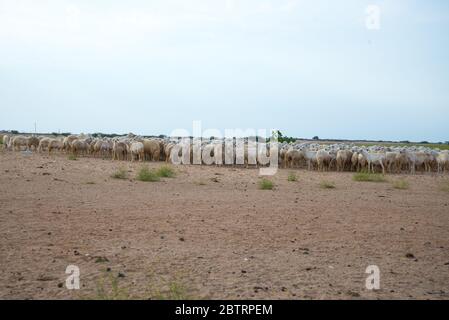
[(211, 232)]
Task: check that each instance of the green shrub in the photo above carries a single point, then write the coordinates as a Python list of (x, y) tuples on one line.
[(266, 184), (72, 157), (146, 174), (327, 185), (292, 177), (370, 177), (165, 172)]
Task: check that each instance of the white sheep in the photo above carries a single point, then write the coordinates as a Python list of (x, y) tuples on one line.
[(137, 150)]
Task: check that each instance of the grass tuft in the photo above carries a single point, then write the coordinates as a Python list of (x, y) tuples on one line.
[(108, 289), (369, 177), (175, 291), (266, 184), (120, 174), (292, 177), (401, 184), (165, 172), (71, 157), (327, 185), (147, 175)]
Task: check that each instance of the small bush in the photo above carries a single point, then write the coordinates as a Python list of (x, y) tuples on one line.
[(165, 172), (72, 157), (292, 177), (266, 184), (400, 184), (370, 177), (120, 174), (327, 185), (146, 174)]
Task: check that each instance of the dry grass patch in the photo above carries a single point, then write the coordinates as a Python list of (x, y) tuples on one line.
[(368, 177), (401, 184), (327, 185), (120, 174)]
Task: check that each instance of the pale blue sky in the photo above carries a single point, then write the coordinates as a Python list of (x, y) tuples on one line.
[(305, 67)]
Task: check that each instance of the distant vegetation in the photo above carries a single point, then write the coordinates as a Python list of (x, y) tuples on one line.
[(442, 146)]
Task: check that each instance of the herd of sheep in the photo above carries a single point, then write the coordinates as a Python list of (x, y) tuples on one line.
[(323, 157), (350, 157)]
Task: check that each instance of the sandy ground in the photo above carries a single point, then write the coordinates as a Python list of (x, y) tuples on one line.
[(211, 233)]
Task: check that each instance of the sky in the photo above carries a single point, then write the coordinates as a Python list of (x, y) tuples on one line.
[(333, 69)]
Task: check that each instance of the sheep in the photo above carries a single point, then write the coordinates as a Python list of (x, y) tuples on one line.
[(5, 141), (105, 148), (310, 157), (67, 142), (417, 160), (18, 142), (375, 159), (168, 148), (293, 157), (354, 161), (79, 146), (119, 150), (152, 149), (43, 144), (137, 150), (32, 142), (282, 153), (342, 159), (55, 144), (390, 160), (362, 162), (401, 161), (323, 160), (443, 161)]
